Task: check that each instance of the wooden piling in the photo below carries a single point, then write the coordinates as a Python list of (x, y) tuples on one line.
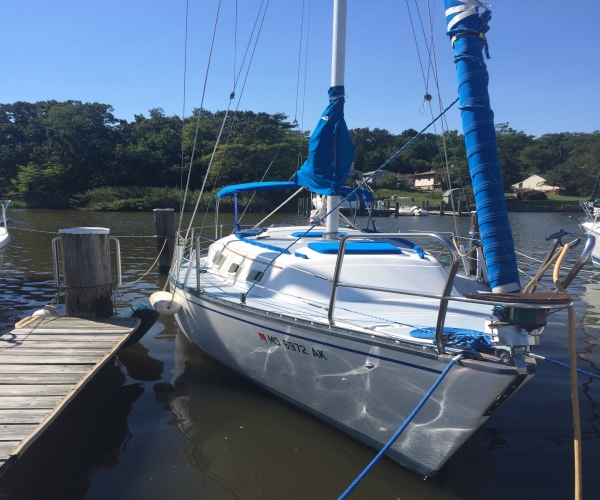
[(164, 223), (397, 209), (86, 272)]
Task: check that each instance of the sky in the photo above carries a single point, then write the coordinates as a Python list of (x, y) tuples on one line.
[(544, 67)]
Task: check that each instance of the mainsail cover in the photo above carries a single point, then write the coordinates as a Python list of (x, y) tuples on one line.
[(467, 29), (331, 151)]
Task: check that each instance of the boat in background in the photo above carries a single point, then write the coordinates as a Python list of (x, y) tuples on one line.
[(4, 235), (355, 327), (592, 219)]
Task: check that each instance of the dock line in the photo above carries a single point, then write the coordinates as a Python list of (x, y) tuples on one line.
[(402, 427)]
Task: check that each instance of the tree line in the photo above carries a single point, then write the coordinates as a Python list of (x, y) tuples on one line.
[(66, 149)]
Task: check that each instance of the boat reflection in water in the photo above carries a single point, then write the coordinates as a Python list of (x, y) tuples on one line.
[(254, 445)]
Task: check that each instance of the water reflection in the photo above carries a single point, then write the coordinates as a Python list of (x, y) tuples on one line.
[(161, 432), (253, 445), (85, 437)]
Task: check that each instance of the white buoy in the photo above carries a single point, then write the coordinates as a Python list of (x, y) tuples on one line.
[(165, 303)]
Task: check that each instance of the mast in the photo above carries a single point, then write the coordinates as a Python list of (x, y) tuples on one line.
[(467, 29), (338, 67)]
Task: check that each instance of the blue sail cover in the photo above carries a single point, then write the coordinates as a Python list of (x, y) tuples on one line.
[(466, 28), (331, 151)]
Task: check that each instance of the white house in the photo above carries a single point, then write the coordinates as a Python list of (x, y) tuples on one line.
[(537, 182), (424, 181)]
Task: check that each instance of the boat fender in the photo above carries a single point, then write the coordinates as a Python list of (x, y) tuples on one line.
[(47, 311), (165, 303)]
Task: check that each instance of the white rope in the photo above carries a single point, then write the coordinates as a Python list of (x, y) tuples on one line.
[(468, 9)]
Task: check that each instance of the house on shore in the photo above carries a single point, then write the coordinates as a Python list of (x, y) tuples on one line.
[(538, 182), (424, 181)]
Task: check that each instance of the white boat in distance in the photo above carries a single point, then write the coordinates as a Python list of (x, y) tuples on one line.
[(592, 221), (355, 327), (4, 235)]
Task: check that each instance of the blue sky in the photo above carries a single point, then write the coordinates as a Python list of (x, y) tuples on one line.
[(544, 71)]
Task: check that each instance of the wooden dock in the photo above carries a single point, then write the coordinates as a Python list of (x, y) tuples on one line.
[(43, 365)]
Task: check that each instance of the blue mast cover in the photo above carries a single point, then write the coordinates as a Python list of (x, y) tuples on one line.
[(331, 151), (467, 28)]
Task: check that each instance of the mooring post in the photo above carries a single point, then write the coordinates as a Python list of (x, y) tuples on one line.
[(86, 272), (164, 223), (397, 209)]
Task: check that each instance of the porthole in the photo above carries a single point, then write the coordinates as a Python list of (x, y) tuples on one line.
[(255, 275), (234, 268)]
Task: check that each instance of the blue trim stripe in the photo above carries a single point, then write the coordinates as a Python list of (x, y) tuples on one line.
[(347, 349)]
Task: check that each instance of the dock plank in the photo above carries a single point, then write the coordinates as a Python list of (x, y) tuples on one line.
[(34, 390), (15, 402), (14, 432), (78, 338), (56, 344), (38, 378), (54, 368), (25, 350), (6, 447), (44, 366), (45, 360), (23, 416)]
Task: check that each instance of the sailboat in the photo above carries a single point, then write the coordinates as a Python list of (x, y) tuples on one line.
[(4, 235), (355, 327), (591, 225)]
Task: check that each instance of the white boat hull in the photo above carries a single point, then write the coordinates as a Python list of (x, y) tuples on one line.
[(364, 386), (593, 228), (4, 241)]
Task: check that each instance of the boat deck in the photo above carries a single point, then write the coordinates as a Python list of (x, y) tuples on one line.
[(379, 314), (43, 365)]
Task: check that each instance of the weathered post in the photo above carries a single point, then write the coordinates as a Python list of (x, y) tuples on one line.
[(86, 272), (164, 223), (441, 208), (397, 209), (474, 233)]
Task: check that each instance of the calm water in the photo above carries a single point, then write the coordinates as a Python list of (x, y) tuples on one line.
[(165, 422)]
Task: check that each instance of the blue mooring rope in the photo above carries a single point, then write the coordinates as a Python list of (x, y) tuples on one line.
[(536, 356), (401, 429)]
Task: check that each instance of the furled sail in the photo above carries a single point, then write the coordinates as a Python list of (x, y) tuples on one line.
[(467, 30), (331, 151)]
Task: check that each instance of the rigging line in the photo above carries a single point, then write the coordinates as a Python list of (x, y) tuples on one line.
[(260, 8), (248, 45), (235, 41), (185, 45), (207, 172), (240, 97), (299, 63), (425, 39), (301, 142), (443, 124), (187, 185), (262, 179), (353, 192), (416, 45)]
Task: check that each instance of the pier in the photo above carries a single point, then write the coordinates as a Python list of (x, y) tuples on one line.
[(44, 363)]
